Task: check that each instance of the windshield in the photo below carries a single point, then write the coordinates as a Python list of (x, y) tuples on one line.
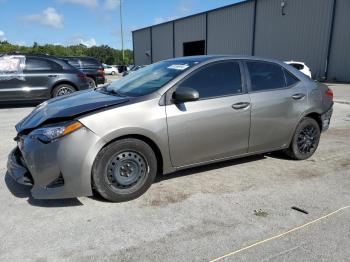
[(149, 79)]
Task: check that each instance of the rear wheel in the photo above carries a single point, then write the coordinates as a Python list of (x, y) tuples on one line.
[(63, 89), (305, 140), (124, 170), (91, 82)]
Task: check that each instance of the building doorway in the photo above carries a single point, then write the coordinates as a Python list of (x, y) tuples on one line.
[(194, 48)]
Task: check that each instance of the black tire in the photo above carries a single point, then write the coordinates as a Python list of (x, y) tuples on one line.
[(63, 89), (91, 81), (113, 73), (124, 170), (305, 140)]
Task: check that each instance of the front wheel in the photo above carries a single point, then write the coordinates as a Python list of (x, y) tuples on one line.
[(124, 170), (305, 140)]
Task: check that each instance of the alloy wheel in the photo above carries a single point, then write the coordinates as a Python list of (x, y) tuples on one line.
[(307, 138), (64, 90)]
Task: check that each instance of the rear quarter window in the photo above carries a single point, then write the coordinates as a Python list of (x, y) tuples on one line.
[(265, 76), (290, 78)]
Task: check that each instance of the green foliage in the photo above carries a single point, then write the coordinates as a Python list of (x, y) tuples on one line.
[(103, 53)]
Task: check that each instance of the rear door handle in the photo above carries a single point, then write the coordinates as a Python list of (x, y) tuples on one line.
[(241, 105), (52, 75), (298, 96)]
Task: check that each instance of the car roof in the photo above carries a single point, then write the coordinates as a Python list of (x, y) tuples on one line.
[(294, 62), (207, 58)]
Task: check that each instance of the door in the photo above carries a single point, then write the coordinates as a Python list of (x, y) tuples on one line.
[(278, 100), (194, 48), (217, 125), (40, 74)]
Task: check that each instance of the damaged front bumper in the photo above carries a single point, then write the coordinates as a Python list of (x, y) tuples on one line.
[(60, 169), (17, 169)]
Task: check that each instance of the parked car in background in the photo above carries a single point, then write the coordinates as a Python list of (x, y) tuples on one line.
[(122, 69), (302, 67), (110, 70), (169, 116), (133, 69), (37, 77), (91, 67)]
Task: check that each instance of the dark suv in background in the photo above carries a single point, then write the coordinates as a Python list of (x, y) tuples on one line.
[(91, 67), (37, 78)]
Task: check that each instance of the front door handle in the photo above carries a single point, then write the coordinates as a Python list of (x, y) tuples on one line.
[(241, 105), (298, 96)]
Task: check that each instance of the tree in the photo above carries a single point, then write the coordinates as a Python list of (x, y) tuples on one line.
[(104, 53)]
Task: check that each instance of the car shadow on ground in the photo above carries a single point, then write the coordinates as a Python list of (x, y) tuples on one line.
[(21, 191), (209, 167), (9, 105)]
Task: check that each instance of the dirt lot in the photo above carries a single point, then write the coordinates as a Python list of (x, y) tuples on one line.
[(194, 215)]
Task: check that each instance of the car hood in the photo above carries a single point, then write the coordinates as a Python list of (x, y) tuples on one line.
[(66, 107)]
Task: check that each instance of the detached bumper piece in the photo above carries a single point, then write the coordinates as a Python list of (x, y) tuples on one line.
[(326, 119), (17, 169)]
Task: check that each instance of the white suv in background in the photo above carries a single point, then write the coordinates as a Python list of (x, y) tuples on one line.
[(301, 67)]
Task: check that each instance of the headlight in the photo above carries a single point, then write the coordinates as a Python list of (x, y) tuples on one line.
[(50, 133)]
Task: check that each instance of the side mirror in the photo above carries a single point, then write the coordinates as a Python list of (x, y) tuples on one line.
[(185, 94)]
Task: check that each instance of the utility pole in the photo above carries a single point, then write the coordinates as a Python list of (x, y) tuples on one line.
[(121, 29)]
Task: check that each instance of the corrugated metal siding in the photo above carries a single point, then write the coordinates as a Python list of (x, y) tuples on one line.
[(188, 30), (230, 30), (142, 44), (162, 42), (301, 34), (339, 62)]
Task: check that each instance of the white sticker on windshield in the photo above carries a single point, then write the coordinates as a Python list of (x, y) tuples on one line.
[(179, 67)]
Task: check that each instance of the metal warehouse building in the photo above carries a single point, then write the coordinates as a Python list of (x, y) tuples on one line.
[(316, 32)]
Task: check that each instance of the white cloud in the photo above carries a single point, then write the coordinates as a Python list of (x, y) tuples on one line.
[(184, 8), (87, 3), (87, 42), (20, 43), (2, 36), (48, 17), (159, 20), (111, 4)]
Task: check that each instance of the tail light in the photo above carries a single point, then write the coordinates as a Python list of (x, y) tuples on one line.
[(81, 76), (329, 93), (101, 71)]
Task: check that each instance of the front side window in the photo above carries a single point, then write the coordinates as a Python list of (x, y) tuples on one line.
[(219, 79), (265, 76), (150, 78)]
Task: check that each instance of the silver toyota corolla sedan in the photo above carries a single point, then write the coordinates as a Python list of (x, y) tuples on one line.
[(168, 116)]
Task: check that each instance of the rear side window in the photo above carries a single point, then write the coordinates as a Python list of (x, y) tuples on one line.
[(90, 62), (75, 62), (265, 76), (37, 64), (298, 66), (290, 79), (219, 79)]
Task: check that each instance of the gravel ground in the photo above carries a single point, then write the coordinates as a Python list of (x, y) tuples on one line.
[(194, 215)]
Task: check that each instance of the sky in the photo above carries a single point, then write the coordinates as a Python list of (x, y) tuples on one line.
[(89, 22)]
